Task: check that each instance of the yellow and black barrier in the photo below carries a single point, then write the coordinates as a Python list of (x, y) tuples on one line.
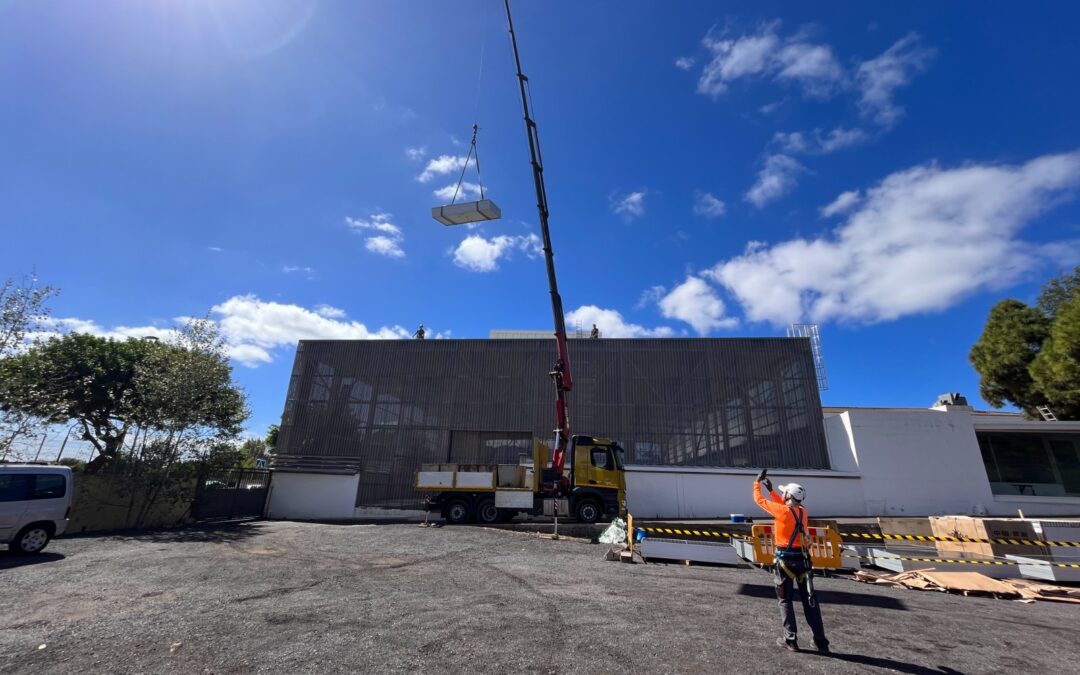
[(961, 540), (857, 536)]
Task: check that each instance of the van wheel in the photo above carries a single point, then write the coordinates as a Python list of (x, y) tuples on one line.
[(486, 512), (457, 512), (588, 511), (32, 539)]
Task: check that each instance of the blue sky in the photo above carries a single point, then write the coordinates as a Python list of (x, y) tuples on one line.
[(887, 171)]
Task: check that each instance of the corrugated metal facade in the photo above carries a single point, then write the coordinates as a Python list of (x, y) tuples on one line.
[(385, 407)]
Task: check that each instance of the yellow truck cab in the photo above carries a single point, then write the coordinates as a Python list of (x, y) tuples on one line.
[(493, 493)]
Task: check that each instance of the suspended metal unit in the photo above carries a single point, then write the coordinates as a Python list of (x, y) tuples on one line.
[(476, 211)]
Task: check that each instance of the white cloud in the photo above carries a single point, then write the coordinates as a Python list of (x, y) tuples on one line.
[(812, 66), (384, 246), (879, 78), (387, 242), (650, 296), (611, 323), (842, 204), (467, 192), (629, 206), (253, 329), (329, 312), (416, 154), (479, 254), (74, 325), (685, 62), (707, 205), (920, 241), (776, 178), (215, 249), (696, 303), (442, 165), (816, 143), (289, 269)]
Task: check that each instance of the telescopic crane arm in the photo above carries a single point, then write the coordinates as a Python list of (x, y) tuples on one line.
[(560, 373)]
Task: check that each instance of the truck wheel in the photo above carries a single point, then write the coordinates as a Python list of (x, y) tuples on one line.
[(486, 512), (457, 512), (32, 539), (588, 511)]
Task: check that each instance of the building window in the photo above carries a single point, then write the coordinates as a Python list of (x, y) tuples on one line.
[(1031, 464)]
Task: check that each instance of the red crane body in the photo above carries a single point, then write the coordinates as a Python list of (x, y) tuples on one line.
[(560, 373)]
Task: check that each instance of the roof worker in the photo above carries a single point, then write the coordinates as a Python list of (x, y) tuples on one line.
[(595, 332), (419, 334), (793, 565)]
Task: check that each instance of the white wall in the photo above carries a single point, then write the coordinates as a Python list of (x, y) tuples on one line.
[(662, 492), (312, 496), (919, 462)]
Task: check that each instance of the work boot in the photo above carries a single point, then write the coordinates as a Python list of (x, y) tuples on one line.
[(790, 645), (823, 648)]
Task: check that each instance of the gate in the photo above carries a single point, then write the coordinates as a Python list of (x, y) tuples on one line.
[(238, 493)]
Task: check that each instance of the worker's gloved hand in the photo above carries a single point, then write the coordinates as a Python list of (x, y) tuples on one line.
[(767, 483), (761, 476)]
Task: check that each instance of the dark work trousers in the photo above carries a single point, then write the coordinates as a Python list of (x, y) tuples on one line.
[(785, 587)]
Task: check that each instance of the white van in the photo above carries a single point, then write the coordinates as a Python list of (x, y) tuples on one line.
[(35, 501)]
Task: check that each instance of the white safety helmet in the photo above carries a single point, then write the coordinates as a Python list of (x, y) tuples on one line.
[(793, 491)]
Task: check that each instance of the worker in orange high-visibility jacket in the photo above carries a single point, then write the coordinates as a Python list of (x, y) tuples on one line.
[(793, 565)]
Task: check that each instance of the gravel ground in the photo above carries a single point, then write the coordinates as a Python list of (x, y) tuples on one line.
[(301, 597)]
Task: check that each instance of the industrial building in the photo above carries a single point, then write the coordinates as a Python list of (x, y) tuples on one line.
[(696, 417)]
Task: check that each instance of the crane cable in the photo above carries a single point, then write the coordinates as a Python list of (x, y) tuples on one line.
[(473, 155)]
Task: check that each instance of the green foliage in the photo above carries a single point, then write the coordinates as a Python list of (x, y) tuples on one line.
[(272, 437), (77, 465), (1009, 343), (1056, 370), (179, 393), (22, 312), (1056, 292), (1030, 356)]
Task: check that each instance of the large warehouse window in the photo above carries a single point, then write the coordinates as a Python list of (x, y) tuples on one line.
[(1031, 464)]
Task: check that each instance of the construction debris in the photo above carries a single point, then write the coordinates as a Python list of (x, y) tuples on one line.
[(972, 583)]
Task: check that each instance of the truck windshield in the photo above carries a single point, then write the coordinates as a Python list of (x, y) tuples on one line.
[(618, 455)]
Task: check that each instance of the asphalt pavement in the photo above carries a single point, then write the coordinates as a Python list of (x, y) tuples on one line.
[(282, 597)]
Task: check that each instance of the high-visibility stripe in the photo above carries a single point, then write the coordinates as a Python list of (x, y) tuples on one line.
[(877, 536), (962, 540)]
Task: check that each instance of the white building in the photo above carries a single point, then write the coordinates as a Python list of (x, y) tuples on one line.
[(896, 462)]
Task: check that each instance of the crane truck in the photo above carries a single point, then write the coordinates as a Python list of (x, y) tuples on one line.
[(594, 485)]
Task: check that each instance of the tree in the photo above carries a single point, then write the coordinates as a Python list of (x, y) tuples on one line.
[(1056, 292), (1056, 370), (178, 393), (272, 437), (22, 312), (1010, 341), (78, 378)]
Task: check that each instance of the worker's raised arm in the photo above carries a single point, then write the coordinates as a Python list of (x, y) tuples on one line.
[(773, 508), (775, 497)]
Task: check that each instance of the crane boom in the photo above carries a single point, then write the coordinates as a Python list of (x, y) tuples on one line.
[(560, 373)]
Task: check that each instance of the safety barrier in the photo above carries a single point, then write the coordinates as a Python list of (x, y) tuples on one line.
[(823, 544), (960, 561), (962, 540), (875, 536)]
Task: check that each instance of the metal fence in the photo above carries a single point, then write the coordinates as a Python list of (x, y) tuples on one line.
[(384, 407)]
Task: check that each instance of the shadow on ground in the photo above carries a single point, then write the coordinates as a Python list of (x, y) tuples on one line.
[(233, 531), (891, 664), (10, 560), (830, 597)]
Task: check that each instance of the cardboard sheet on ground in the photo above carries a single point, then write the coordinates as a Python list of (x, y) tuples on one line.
[(973, 583)]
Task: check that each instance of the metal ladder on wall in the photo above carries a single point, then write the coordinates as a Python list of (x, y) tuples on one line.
[(1046, 413)]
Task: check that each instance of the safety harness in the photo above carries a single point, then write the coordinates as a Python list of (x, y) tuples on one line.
[(808, 566)]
